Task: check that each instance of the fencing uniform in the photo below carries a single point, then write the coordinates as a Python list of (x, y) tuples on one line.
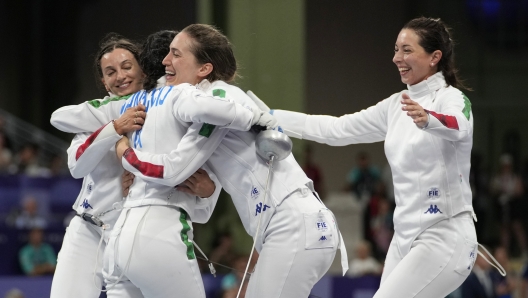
[(298, 237), (90, 156), (434, 245), (166, 224), (94, 155)]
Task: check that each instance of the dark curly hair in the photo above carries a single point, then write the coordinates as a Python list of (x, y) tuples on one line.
[(435, 35), (110, 42), (154, 50)]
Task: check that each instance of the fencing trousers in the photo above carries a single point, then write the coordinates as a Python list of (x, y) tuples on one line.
[(299, 245), (75, 275), (438, 262), (151, 248)]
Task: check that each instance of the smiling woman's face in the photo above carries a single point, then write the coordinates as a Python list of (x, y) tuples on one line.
[(413, 62), (121, 72)]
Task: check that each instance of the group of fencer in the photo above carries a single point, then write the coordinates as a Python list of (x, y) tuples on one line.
[(174, 131)]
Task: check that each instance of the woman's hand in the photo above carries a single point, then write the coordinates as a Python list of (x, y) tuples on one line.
[(415, 111), (126, 180), (121, 146), (131, 120), (199, 184)]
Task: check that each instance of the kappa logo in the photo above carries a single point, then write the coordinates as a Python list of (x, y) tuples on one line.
[(254, 192), (260, 209), (433, 193), (433, 209), (86, 205), (323, 238)]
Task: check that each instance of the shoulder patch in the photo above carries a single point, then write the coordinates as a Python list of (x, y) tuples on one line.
[(206, 130), (96, 103), (467, 107), (219, 92)]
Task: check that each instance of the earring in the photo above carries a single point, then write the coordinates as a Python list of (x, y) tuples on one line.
[(432, 64)]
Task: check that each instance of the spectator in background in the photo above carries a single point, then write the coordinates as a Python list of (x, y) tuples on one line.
[(313, 171), (14, 293), (37, 257), (364, 177), (222, 252), (382, 228), (505, 286), (29, 218), (57, 167), (26, 162), (386, 178), (364, 181), (508, 190), (231, 282), (479, 283), (5, 154), (363, 263), (479, 181)]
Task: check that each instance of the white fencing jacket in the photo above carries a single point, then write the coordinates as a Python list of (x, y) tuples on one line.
[(94, 154), (430, 167), (92, 157), (160, 163)]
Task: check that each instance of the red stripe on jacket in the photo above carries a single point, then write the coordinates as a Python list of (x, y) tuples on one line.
[(88, 142), (447, 121), (146, 168)]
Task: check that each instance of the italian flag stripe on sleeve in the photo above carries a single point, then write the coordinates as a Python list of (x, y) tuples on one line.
[(87, 143), (146, 168), (446, 120)]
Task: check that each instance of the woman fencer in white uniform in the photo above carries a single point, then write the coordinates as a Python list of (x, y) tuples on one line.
[(428, 135)]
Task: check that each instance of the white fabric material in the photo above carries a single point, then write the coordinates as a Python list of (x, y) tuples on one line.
[(286, 268), (101, 170), (101, 189), (86, 117), (159, 265), (73, 275), (260, 104), (439, 172), (439, 261), (188, 104), (232, 157)]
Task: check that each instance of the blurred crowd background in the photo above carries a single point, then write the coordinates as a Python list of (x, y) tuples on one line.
[(320, 57)]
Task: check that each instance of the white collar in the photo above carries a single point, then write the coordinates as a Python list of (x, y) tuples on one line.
[(427, 86), (204, 85)]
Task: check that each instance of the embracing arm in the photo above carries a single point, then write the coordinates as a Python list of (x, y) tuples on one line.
[(87, 150), (175, 167), (88, 116), (194, 105), (366, 126), (205, 205)]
